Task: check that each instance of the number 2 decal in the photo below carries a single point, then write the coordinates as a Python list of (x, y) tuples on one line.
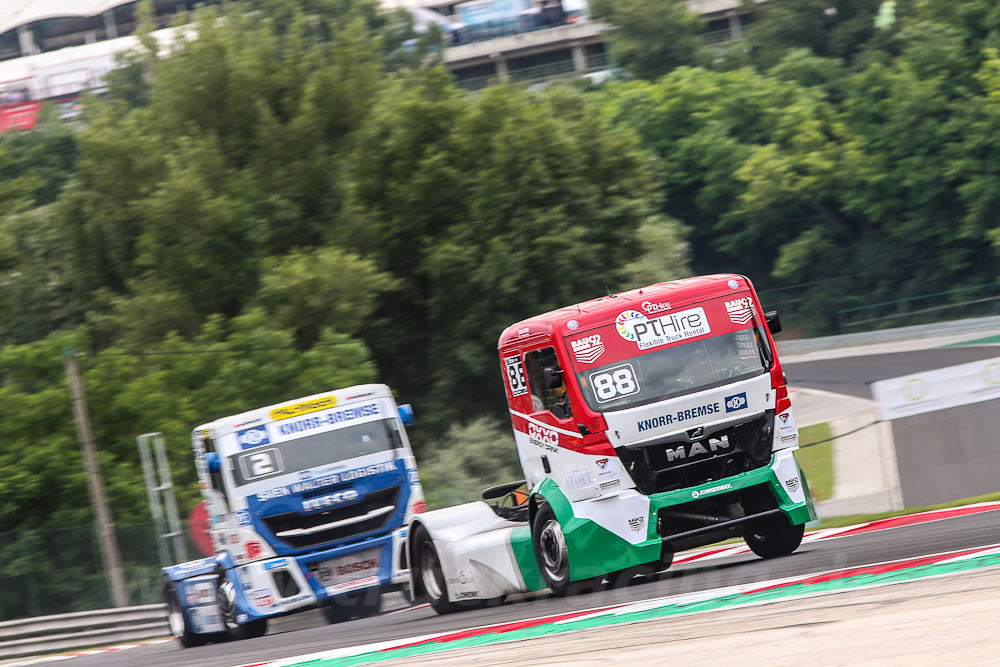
[(261, 464), (514, 370), (613, 383)]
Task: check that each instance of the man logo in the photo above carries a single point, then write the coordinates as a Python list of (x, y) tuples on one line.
[(736, 402), (253, 437)]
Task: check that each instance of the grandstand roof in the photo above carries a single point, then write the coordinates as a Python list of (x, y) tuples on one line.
[(14, 13)]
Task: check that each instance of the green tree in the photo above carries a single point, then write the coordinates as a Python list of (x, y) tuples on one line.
[(651, 37), (477, 454)]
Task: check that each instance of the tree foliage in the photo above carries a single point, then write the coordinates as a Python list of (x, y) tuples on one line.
[(651, 37)]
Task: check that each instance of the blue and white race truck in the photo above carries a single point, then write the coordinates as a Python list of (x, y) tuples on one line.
[(308, 503)]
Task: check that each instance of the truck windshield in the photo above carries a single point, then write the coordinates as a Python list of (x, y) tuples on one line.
[(674, 371), (314, 451)]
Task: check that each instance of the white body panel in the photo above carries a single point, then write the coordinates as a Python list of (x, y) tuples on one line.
[(704, 408), (473, 545)]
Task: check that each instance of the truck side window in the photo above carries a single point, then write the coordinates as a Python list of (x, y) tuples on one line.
[(555, 400)]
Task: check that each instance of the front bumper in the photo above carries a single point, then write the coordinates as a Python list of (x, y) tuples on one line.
[(597, 550)]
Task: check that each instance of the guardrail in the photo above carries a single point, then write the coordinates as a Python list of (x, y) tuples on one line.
[(85, 629), (955, 327)]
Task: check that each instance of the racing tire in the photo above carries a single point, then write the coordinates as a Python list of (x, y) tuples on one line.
[(430, 581), (552, 554), (225, 593), (773, 537), (177, 620), (349, 606)]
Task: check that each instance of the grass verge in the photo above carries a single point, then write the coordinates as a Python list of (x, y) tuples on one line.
[(817, 461)]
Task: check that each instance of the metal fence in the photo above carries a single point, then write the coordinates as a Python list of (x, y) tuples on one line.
[(964, 302), (59, 570)]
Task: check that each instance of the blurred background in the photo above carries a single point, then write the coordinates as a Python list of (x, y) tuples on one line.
[(222, 206)]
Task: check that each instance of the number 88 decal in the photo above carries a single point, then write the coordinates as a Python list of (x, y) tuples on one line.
[(614, 382)]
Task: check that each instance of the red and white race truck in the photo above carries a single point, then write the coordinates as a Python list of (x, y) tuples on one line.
[(646, 422)]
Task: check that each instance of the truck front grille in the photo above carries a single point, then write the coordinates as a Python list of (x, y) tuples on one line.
[(291, 521), (688, 460)]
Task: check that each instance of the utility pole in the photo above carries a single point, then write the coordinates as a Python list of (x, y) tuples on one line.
[(95, 483)]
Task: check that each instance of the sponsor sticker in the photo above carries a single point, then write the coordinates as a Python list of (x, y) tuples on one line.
[(606, 467), (577, 479), (733, 284), (635, 523), (253, 437), (275, 564), (653, 332), (710, 490), (262, 597), (346, 586), (329, 419), (626, 321), (588, 349), (736, 402), (331, 500), (243, 518), (303, 408), (740, 311), (514, 370), (655, 307), (572, 325), (545, 438), (610, 484), (254, 550)]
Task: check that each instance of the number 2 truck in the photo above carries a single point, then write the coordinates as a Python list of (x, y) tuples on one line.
[(308, 503), (646, 422)]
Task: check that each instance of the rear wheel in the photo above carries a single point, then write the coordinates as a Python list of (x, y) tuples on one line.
[(430, 575), (226, 596), (774, 536), (178, 623)]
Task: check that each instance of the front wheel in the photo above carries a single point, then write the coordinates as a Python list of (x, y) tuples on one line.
[(226, 596), (775, 536), (551, 551), (179, 626)]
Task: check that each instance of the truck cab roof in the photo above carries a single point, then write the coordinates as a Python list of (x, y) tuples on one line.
[(595, 312), (261, 415)]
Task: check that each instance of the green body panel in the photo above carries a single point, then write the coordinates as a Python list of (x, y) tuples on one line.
[(523, 553), (595, 551)]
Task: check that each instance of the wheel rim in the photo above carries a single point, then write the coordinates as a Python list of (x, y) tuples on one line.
[(175, 617), (227, 602), (552, 544), (429, 569)]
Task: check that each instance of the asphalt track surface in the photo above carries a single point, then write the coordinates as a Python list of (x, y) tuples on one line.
[(862, 549), (850, 375), (853, 375)]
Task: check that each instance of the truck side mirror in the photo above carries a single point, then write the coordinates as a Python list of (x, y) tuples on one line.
[(552, 376), (773, 321), (405, 414), (213, 463)]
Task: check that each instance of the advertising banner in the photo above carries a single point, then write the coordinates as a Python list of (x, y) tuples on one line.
[(938, 389), (20, 116)]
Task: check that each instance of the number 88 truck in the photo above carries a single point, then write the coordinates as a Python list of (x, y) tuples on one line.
[(646, 422)]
